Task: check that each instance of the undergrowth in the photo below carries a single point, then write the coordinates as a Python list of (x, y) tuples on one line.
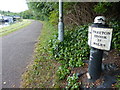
[(116, 34), (54, 60), (74, 49), (118, 82), (70, 53), (72, 82)]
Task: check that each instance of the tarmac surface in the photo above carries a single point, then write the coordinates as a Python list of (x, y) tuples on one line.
[(17, 49)]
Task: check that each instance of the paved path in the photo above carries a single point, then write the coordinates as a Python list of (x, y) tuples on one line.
[(17, 50)]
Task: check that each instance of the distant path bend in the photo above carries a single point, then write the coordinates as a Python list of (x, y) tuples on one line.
[(17, 49)]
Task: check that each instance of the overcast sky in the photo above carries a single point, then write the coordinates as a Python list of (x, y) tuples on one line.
[(13, 5)]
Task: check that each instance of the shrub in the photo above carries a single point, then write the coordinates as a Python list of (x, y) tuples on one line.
[(74, 49), (116, 34)]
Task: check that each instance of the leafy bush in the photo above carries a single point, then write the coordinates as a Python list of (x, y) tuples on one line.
[(62, 72), (116, 34), (118, 82), (72, 51), (72, 81), (54, 17), (102, 7)]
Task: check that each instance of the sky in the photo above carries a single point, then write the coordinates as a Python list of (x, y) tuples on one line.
[(13, 5)]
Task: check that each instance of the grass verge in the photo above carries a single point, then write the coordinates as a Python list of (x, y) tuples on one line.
[(14, 27), (42, 72)]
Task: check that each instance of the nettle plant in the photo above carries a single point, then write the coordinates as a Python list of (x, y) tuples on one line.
[(72, 51)]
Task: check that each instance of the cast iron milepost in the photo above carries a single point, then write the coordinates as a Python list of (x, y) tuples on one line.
[(60, 24), (98, 42)]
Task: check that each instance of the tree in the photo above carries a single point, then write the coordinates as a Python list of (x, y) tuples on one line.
[(27, 14), (42, 10)]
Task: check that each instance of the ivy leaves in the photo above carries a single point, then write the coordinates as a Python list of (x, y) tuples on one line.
[(72, 51), (72, 81)]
